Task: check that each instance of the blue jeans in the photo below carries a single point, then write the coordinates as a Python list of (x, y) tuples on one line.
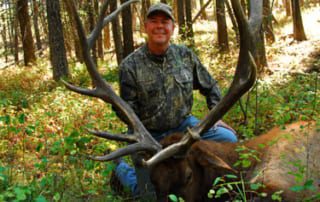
[(127, 174)]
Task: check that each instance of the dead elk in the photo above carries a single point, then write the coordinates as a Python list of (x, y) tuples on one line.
[(280, 153)]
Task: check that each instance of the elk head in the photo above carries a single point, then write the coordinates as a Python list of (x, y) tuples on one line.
[(141, 140)]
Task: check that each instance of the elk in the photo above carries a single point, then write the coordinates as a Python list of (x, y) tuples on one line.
[(192, 175), (201, 161)]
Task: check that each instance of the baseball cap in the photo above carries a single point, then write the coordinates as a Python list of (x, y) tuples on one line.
[(161, 7)]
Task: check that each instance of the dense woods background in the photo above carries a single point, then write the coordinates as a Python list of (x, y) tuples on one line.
[(43, 132)]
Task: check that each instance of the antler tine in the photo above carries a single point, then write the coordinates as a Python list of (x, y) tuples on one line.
[(245, 76), (118, 137), (132, 148), (105, 92)]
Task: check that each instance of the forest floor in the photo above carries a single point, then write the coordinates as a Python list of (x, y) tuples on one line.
[(43, 126)]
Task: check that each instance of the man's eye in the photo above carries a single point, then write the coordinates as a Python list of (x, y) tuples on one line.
[(165, 22)]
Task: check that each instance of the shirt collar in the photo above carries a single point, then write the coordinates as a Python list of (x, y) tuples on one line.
[(157, 58)]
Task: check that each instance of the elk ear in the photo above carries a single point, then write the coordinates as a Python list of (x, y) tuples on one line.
[(208, 159)]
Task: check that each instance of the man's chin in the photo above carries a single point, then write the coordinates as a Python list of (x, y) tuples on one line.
[(160, 41)]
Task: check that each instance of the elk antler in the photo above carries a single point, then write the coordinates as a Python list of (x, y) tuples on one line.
[(245, 76), (141, 138)]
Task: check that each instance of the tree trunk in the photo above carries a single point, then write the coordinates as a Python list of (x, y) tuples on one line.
[(26, 34), (91, 23), (298, 29), (144, 9), (258, 36), (116, 33), (287, 5), (106, 31), (99, 40), (189, 29), (127, 30), (4, 38), (10, 22), (36, 24), (301, 3), (175, 9), (267, 21), (75, 37), (181, 19), (16, 38), (43, 21), (233, 20), (222, 26), (56, 41)]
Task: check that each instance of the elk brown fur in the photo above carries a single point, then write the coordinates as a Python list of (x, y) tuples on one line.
[(191, 176)]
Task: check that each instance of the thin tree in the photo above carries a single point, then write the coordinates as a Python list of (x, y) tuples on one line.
[(91, 23), (267, 21), (116, 33), (233, 19), (222, 26), (127, 32), (145, 4), (189, 28), (73, 32), (287, 5), (56, 41), (181, 19), (4, 37), (298, 29), (100, 40), (26, 34), (35, 18), (106, 38), (16, 38)]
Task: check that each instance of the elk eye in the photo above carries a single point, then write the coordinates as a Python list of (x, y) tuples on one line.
[(189, 178)]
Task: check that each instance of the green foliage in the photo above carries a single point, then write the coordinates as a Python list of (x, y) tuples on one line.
[(174, 198), (246, 156), (303, 184), (236, 189)]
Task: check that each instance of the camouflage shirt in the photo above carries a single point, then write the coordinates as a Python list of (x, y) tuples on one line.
[(159, 88)]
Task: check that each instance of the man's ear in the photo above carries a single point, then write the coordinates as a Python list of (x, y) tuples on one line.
[(207, 159)]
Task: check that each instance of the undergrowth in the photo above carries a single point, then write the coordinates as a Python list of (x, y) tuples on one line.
[(43, 127)]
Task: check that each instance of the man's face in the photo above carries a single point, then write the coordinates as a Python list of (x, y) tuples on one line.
[(159, 28)]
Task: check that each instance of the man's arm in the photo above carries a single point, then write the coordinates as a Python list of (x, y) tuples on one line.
[(207, 85), (128, 89)]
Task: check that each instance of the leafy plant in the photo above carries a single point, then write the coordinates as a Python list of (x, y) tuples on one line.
[(236, 189), (246, 156)]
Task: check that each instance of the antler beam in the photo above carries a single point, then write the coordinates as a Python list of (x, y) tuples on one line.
[(105, 92)]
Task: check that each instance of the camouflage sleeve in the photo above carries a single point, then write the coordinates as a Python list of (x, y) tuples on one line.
[(207, 85), (128, 90)]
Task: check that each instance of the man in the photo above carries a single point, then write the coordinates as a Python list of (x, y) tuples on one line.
[(157, 81)]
